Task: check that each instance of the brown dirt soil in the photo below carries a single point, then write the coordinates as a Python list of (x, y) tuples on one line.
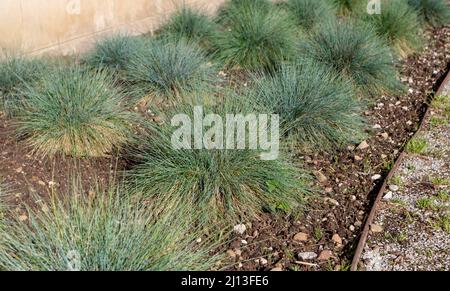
[(348, 187), (26, 175)]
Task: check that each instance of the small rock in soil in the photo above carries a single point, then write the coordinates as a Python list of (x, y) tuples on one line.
[(337, 239), (307, 256), (393, 188), (23, 217), (231, 253), (263, 261), (364, 145), (301, 237), (376, 177), (332, 201), (240, 229), (375, 228), (320, 177), (325, 255), (388, 196), (358, 158)]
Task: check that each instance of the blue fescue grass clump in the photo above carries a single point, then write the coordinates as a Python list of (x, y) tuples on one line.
[(347, 7), (221, 185), (191, 25), (231, 6), (74, 112), (15, 73), (110, 231), (354, 52), (168, 69), (317, 108), (255, 37), (308, 13), (432, 12), (398, 25), (114, 52)]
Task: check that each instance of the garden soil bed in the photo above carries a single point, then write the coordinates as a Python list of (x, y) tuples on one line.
[(325, 236), (28, 176), (329, 229)]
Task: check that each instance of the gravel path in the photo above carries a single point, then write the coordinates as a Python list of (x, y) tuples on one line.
[(411, 231)]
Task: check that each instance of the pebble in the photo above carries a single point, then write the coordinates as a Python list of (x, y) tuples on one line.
[(358, 158), (325, 255), (385, 135), (328, 190), (307, 256), (244, 242), (337, 239), (231, 253), (388, 196), (263, 261), (376, 126), (332, 201), (240, 229), (375, 228), (301, 236), (23, 217), (352, 228), (362, 146), (320, 177), (393, 188), (376, 177)]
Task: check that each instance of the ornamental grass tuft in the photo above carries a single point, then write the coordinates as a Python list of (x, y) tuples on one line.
[(354, 52), (74, 112), (316, 108), (255, 37), (222, 184), (432, 12), (110, 231)]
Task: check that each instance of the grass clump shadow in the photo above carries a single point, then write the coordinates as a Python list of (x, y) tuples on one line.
[(109, 231), (255, 37), (353, 51), (223, 185), (74, 112), (316, 108)]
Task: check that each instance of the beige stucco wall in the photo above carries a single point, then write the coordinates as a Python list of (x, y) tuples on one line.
[(72, 26)]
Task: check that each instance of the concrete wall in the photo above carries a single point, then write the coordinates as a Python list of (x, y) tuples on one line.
[(72, 26)]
